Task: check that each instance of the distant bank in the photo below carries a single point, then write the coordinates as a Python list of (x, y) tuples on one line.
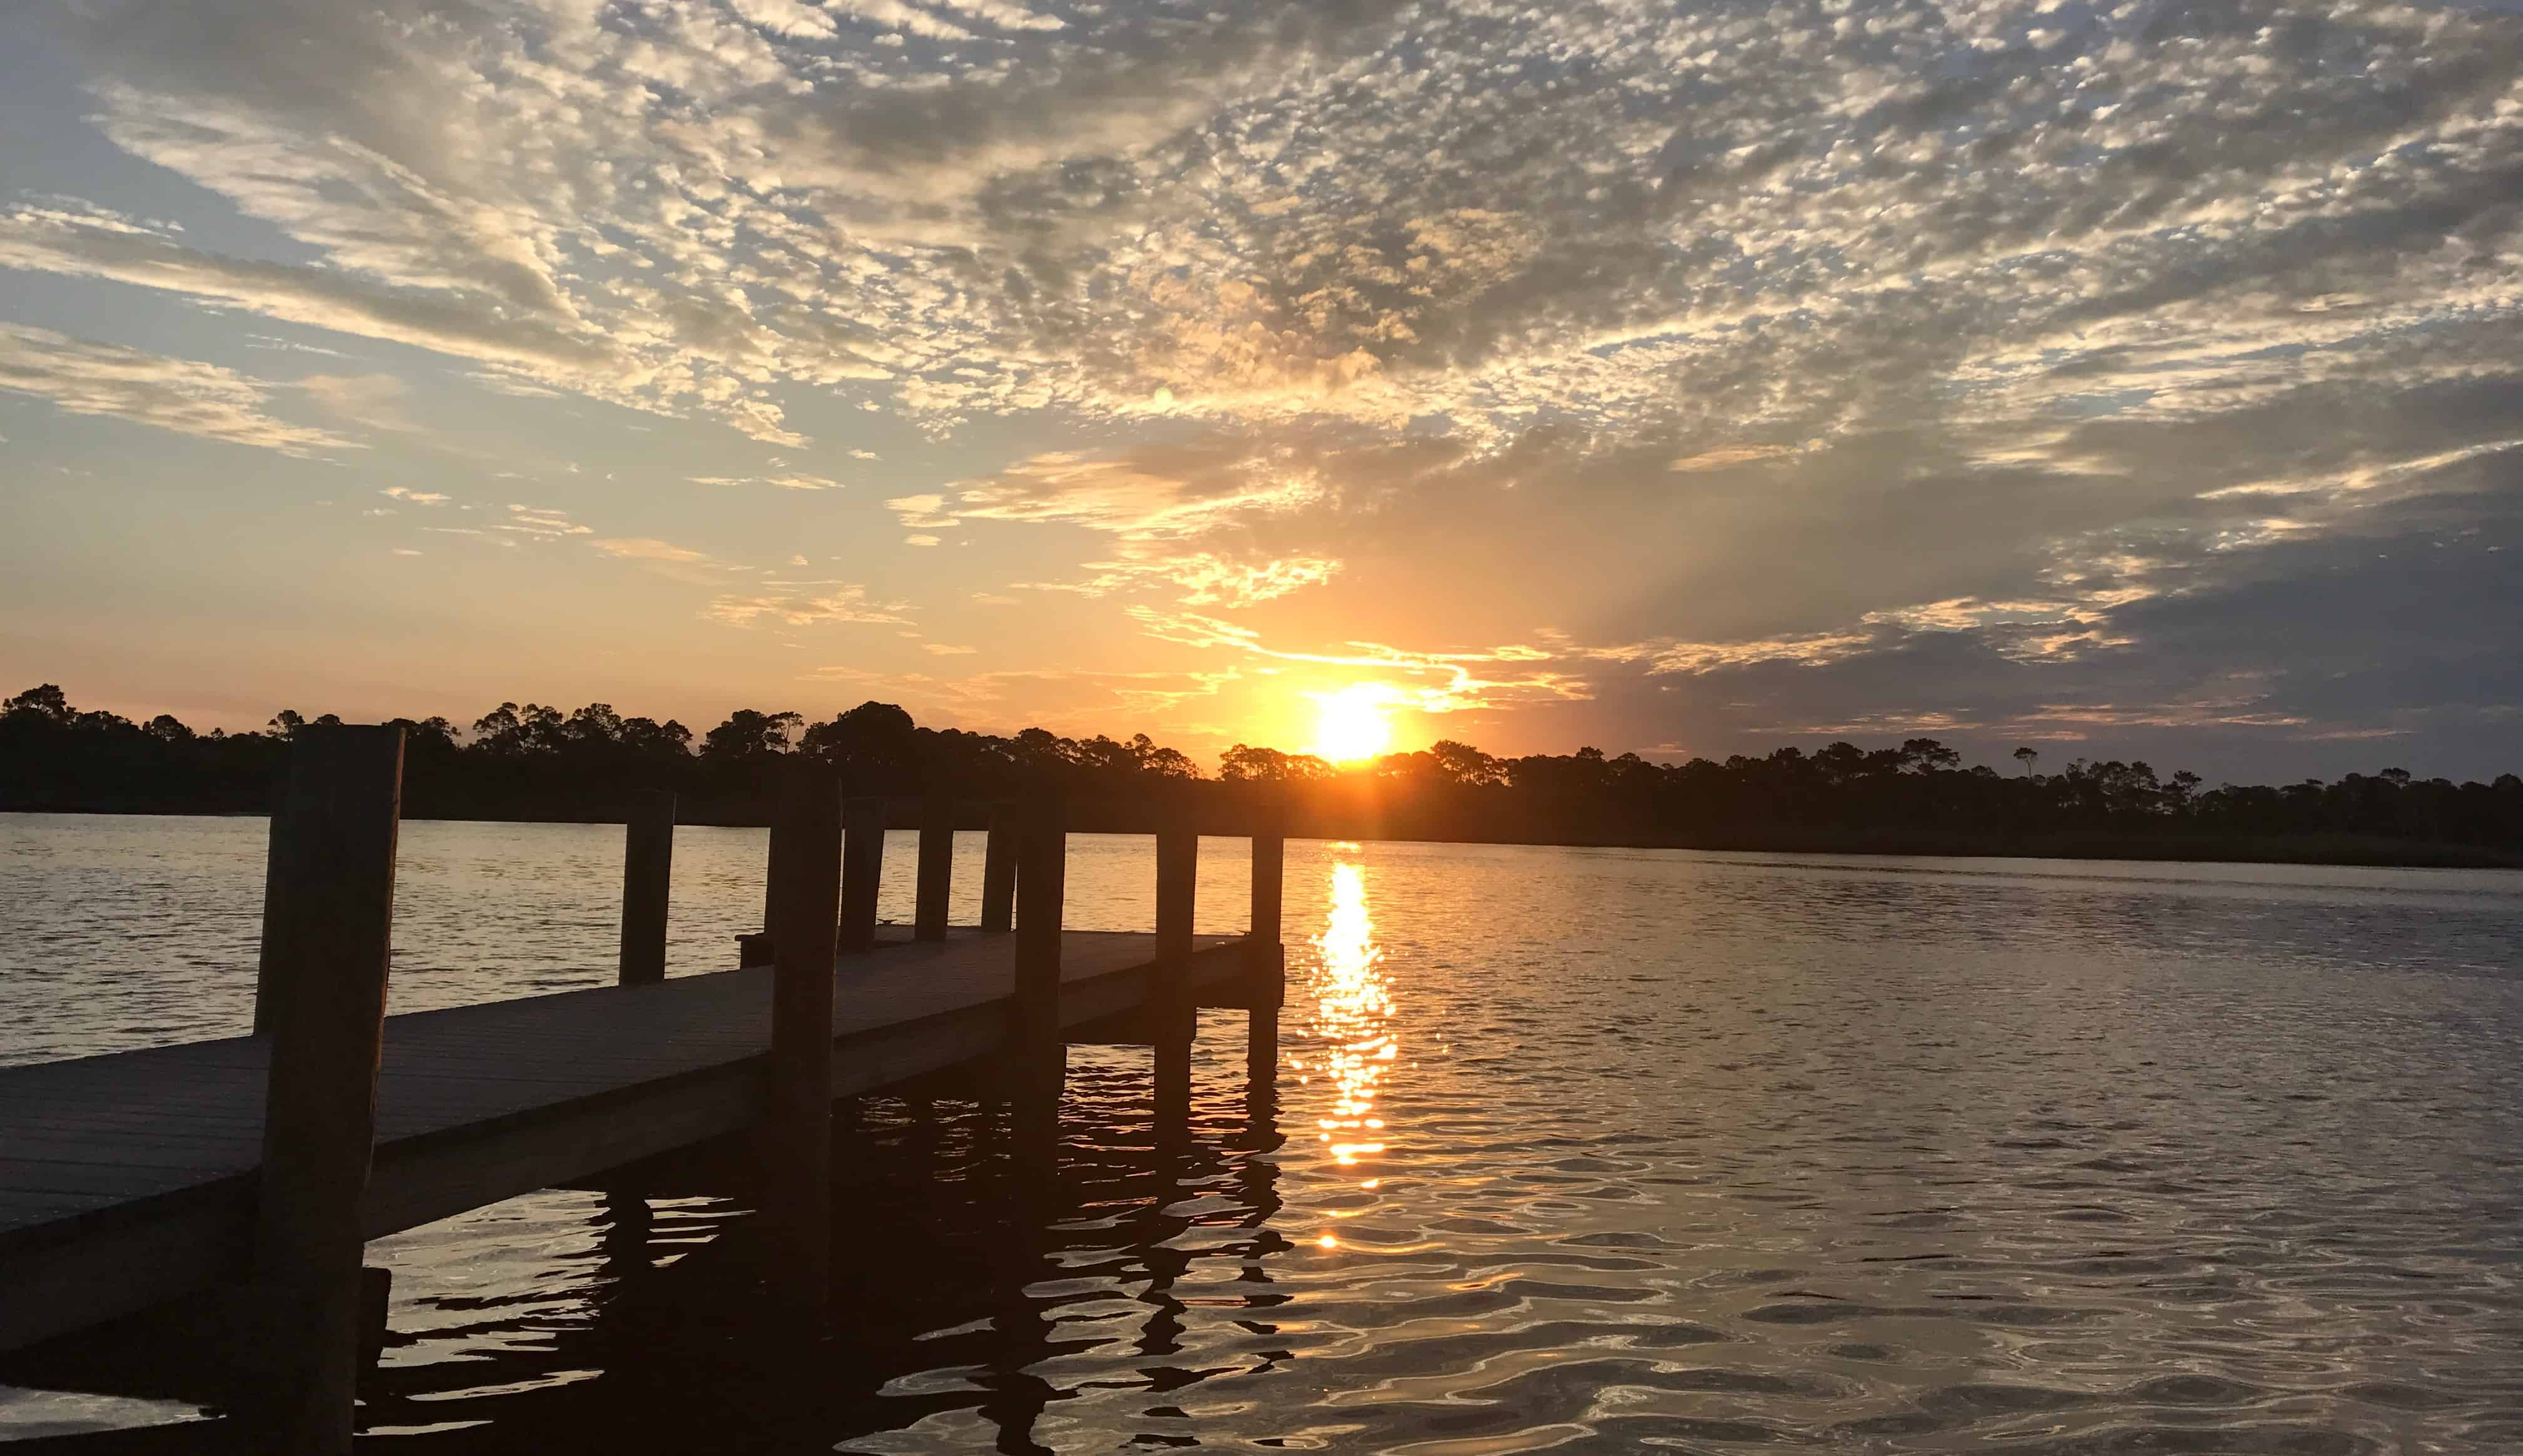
[(2365, 850), (536, 763)]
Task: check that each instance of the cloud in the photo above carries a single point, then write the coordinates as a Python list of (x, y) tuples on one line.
[(1451, 682), (806, 604), (1907, 353), (81, 376), (1182, 520), (372, 400), (541, 522), (787, 480), (920, 511), (643, 548), (1285, 212), (1727, 456), (1006, 700)]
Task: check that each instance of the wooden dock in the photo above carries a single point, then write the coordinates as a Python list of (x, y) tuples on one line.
[(132, 1180)]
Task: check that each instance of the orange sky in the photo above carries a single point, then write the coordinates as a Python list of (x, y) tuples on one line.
[(1622, 376)]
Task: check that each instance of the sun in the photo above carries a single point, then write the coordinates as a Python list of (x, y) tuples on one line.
[(1349, 725)]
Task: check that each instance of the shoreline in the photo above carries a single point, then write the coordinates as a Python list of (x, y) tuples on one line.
[(2337, 850)]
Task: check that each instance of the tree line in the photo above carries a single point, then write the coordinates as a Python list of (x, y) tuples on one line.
[(539, 762)]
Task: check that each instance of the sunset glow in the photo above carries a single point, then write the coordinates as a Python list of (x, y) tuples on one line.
[(1130, 368), (1349, 725), (1354, 1013)]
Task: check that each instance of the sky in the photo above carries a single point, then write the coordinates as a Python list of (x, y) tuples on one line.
[(2125, 379)]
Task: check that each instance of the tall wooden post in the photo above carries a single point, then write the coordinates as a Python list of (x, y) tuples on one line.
[(274, 883), (1168, 998), (937, 866), (999, 871), (797, 1143), (754, 948), (1268, 959), (648, 872), (1038, 1055), (862, 870), (328, 948)]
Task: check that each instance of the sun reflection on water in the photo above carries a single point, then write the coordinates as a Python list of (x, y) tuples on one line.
[(1352, 1015)]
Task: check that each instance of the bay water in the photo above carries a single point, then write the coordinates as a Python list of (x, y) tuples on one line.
[(1575, 1149)]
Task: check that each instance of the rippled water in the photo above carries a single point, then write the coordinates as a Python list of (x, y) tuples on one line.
[(1575, 1149)]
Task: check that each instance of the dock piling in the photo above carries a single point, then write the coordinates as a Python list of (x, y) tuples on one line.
[(328, 948), (164, 1206), (376, 1303), (862, 871), (936, 868), (648, 873), (999, 871), (1038, 1055), (1173, 1019), (273, 884), (1268, 972), (806, 854)]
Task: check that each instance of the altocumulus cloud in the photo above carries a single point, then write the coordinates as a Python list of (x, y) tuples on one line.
[(1977, 365), (187, 396)]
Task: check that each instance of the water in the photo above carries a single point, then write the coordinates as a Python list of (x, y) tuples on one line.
[(1586, 1150)]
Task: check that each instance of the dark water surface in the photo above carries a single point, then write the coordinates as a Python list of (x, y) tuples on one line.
[(1578, 1151)]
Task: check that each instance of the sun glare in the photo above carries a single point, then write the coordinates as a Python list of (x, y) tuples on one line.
[(1349, 725)]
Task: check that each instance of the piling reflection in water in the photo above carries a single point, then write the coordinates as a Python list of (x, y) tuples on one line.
[(1353, 1017)]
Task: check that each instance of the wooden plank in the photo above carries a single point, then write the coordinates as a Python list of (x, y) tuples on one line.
[(113, 1270), (484, 1101), (417, 1184), (136, 1147)]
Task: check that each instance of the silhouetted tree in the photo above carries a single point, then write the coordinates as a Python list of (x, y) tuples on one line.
[(1242, 765), (536, 762), (44, 701), (750, 733)]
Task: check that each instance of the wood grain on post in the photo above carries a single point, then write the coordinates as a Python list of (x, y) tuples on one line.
[(936, 868), (999, 871), (648, 875), (862, 871), (1038, 1056), (329, 947), (805, 893), (1169, 996), (273, 884), (1267, 970), (1269, 863), (754, 948)]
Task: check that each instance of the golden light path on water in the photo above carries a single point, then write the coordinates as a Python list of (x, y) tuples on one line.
[(1352, 1021)]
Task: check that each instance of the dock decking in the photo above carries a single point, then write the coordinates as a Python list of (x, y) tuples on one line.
[(258, 1167), (255, 1168), (128, 1179)]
